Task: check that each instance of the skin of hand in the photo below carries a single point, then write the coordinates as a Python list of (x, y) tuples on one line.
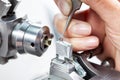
[(98, 25)]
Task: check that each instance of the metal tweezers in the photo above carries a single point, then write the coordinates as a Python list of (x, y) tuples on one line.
[(76, 4)]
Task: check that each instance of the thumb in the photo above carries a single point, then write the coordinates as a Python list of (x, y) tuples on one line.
[(106, 9), (65, 6)]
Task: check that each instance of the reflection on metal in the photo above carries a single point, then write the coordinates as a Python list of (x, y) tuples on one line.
[(18, 35), (64, 67)]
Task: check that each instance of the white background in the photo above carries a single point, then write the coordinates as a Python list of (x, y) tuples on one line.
[(28, 67)]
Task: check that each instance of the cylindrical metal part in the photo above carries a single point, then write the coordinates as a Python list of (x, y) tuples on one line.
[(32, 40), (18, 36), (27, 38)]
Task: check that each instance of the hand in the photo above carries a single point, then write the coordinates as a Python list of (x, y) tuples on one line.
[(98, 25)]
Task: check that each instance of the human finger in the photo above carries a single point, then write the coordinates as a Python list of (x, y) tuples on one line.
[(65, 6), (76, 28), (83, 44)]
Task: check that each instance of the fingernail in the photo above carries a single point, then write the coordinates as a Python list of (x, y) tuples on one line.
[(64, 6), (92, 43), (81, 29)]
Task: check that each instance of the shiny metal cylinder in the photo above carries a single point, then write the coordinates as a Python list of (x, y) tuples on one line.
[(27, 38), (32, 40), (18, 36)]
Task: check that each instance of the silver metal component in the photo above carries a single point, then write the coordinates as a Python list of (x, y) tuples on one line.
[(64, 50), (31, 39), (48, 77), (5, 30), (76, 4), (73, 76), (62, 67), (7, 9), (79, 69), (17, 35), (4, 7)]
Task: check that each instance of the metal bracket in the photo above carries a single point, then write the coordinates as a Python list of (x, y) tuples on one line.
[(63, 66)]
